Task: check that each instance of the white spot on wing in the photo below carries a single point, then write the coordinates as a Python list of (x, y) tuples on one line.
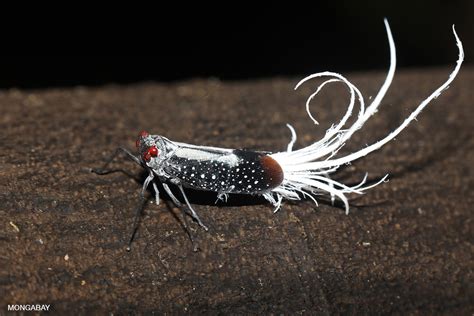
[(230, 160)]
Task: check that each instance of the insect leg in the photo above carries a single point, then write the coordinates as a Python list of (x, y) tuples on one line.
[(139, 209), (178, 203), (193, 212), (222, 196), (168, 190), (185, 219), (119, 150), (136, 221), (157, 193)]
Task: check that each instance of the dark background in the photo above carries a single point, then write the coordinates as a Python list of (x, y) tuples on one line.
[(235, 43)]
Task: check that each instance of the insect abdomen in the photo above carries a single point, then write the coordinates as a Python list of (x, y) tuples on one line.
[(257, 172), (239, 171)]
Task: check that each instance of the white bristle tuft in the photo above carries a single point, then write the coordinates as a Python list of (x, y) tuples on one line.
[(306, 170)]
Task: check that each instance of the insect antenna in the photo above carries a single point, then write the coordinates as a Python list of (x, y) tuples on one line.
[(104, 171), (118, 151)]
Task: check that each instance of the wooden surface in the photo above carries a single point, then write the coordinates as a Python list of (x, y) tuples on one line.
[(405, 247)]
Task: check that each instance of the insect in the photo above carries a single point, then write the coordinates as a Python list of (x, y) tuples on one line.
[(291, 174)]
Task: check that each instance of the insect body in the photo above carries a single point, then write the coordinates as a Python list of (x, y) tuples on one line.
[(220, 170), (290, 174), (212, 169)]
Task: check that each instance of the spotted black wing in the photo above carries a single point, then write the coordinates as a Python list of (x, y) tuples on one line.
[(224, 171)]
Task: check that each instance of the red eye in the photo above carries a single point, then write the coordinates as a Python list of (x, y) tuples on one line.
[(151, 152)]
